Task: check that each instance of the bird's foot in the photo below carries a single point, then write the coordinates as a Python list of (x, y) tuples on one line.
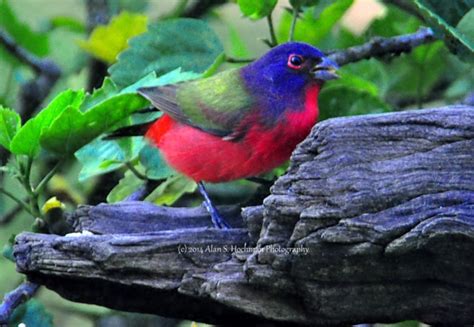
[(216, 218)]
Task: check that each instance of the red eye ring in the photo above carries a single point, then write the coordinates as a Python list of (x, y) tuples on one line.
[(295, 61)]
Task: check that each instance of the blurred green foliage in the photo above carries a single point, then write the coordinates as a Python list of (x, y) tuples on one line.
[(257, 9), (68, 128)]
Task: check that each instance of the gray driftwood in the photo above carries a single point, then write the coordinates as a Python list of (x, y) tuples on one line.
[(383, 205)]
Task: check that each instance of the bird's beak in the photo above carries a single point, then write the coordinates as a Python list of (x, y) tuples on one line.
[(325, 70)]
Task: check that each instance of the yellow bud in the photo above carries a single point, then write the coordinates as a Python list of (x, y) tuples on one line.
[(52, 203)]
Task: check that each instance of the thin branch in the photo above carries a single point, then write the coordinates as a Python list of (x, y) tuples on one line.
[(35, 91), (16, 297), (379, 47), (42, 184), (273, 38), (39, 65)]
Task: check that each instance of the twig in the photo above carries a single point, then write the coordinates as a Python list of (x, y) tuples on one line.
[(379, 47), (39, 65), (273, 38), (14, 298), (42, 184), (33, 92)]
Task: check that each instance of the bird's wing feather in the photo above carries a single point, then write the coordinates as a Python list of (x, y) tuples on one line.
[(216, 105)]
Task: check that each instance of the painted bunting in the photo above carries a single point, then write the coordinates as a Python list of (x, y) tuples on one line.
[(241, 122)]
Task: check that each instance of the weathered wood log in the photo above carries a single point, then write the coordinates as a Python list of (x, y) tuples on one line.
[(374, 222)]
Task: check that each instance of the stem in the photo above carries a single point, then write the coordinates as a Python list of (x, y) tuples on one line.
[(178, 10), (293, 24), (20, 202), (42, 184), (135, 171), (272, 31), (26, 181)]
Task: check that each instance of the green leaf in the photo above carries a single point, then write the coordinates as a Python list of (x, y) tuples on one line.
[(451, 11), (339, 100), (106, 42), (154, 164), (417, 73), (356, 82), (466, 26), (312, 28), (100, 157), (105, 92), (69, 23), (462, 85), (445, 19), (31, 313), (394, 22), (10, 123), (73, 129), (126, 186), (186, 43), (171, 190), (27, 140), (36, 43), (256, 9), (174, 76)]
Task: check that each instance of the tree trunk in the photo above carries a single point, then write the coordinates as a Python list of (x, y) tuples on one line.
[(374, 222)]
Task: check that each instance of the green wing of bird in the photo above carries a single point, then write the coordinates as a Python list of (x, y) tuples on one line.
[(216, 104)]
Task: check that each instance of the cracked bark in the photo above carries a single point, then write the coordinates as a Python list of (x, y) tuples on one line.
[(384, 205)]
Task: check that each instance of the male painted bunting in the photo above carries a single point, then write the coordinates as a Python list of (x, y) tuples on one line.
[(241, 122)]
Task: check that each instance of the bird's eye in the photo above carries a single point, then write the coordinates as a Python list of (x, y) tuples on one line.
[(295, 61)]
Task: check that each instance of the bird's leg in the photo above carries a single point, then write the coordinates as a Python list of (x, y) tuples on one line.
[(217, 220)]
